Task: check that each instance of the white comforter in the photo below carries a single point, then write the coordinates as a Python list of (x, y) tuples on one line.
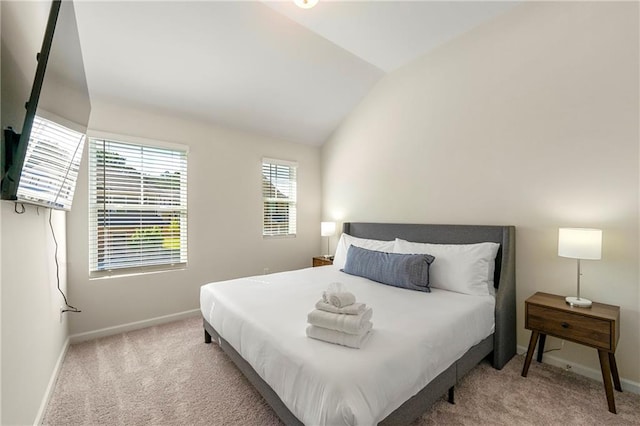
[(415, 337)]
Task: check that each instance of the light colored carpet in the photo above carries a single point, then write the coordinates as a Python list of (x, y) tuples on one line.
[(166, 375)]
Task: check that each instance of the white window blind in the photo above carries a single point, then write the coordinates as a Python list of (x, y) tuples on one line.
[(137, 207), (279, 194), (51, 165)]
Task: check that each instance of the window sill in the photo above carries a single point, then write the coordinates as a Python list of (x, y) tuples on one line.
[(269, 237), (101, 275)]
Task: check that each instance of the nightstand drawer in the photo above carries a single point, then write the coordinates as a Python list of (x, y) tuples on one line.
[(322, 261), (566, 325)]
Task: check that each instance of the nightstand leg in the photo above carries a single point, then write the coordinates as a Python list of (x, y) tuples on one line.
[(530, 351), (614, 371), (543, 338), (606, 378)]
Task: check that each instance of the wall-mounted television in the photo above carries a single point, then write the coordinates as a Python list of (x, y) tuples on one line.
[(40, 165)]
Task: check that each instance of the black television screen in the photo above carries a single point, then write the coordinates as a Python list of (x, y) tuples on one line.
[(39, 165)]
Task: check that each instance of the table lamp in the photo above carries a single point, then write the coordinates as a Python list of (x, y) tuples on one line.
[(580, 244), (327, 229)]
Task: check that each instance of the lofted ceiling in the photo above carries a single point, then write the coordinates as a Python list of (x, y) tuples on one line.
[(265, 67)]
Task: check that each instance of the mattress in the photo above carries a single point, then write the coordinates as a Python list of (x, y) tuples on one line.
[(415, 337)]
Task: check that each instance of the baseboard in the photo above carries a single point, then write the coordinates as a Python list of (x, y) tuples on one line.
[(627, 385), (52, 383), (110, 331)]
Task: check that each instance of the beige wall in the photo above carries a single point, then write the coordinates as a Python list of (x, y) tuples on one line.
[(225, 219), (530, 120), (33, 336)]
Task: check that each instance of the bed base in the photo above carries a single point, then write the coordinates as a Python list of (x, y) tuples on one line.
[(403, 415), (500, 346)]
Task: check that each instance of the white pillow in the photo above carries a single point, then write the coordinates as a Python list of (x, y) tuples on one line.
[(346, 240), (463, 268)]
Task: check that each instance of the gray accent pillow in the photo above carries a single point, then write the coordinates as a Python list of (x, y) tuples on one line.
[(410, 271)]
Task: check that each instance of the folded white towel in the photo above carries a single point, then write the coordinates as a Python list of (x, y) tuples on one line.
[(337, 295), (354, 309), (352, 324), (339, 299), (331, 336)]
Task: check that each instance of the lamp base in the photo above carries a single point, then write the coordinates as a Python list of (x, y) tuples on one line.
[(578, 302)]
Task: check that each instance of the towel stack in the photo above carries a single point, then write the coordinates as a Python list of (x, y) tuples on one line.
[(339, 319)]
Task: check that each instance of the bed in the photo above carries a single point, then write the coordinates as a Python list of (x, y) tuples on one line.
[(311, 382)]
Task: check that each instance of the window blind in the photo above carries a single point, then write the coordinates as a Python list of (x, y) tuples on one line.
[(137, 207), (279, 194), (51, 165)]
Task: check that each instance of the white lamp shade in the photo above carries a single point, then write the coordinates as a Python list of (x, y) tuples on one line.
[(305, 4), (327, 229), (580, 243)]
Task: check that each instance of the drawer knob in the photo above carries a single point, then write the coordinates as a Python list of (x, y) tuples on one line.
[(564, 325)]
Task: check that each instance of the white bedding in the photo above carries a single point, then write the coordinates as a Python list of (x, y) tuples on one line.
[(415, 337)]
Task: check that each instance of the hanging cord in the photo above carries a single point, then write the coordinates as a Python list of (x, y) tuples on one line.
[(66, 175), (15, 208), (70, 308)]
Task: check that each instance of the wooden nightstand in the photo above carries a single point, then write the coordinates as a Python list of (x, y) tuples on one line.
[(322, 261), (598, 327)]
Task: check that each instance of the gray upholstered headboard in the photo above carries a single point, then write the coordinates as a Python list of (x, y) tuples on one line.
[(504, 347)]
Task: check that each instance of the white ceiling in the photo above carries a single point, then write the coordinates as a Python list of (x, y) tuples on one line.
[(267, 67), (390, 34)]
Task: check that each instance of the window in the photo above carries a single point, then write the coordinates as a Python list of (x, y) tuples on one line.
[(51, 165), (279, 197), (137, 207)]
